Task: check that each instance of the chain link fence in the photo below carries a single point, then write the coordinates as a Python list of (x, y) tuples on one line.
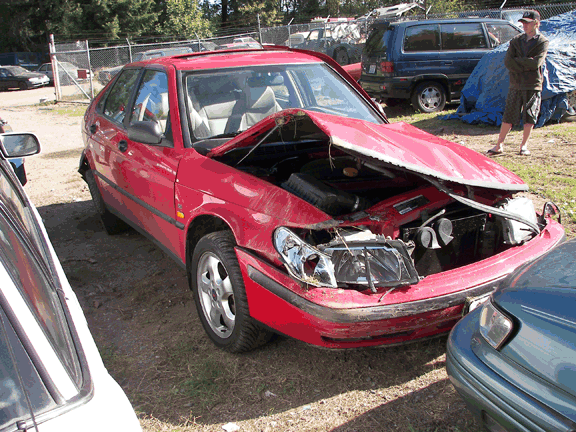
[(83, 70)]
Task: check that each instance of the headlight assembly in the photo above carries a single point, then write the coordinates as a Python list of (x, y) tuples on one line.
[(360, 258), (495, 327)]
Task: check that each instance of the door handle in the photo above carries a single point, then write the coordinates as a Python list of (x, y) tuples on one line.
[(93, 128), (122, 145)]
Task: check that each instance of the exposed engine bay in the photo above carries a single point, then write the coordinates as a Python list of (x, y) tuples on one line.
[(390, 227)]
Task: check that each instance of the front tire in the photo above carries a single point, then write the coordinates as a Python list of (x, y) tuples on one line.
[(220, 296), (22, 85), (429, 97), (112, 224)]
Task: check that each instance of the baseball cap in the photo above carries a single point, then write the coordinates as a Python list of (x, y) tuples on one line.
[(530, 16)]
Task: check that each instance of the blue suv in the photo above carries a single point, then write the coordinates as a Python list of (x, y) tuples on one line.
[(428, 62)]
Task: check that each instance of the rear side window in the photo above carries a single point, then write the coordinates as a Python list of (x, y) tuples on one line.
[(378, 40), (464, 36), (422, 38), (119, 96)]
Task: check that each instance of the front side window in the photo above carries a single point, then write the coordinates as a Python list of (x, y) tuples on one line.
[(422, 38), (463, 36), (500, 33), (119, 96), (152, 99), (17, 376)]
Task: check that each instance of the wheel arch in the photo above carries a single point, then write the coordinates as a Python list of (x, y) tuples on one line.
[(440, 79), (84, 164), (198, 228)]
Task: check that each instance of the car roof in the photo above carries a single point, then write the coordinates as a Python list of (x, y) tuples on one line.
[(442, 21), (235, 58)]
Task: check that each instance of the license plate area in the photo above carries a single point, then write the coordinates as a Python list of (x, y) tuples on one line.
[(372, 69)]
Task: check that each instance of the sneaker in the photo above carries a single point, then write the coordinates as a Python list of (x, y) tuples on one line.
[(524, 152)]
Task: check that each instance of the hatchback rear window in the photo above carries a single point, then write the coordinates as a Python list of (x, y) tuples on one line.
[(378, 40)]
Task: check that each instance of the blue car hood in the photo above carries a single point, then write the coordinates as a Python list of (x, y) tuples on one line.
[(541, 297)]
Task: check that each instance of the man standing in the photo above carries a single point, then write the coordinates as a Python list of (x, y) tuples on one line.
[(525, 63)]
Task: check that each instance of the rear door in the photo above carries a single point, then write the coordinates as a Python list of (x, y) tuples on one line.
[(107, 136), (463, 45), (420, 54)]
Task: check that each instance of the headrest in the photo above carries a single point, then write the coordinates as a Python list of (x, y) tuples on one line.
[(260, 98)]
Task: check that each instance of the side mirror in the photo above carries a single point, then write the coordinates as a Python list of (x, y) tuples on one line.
[(146, 132), (18, 145)]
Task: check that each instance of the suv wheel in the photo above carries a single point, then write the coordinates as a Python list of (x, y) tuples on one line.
[(429, 97), (342, 57)]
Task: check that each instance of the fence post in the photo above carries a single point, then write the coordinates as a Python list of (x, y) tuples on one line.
[(129, 50), (289, 41), (259, 29), (90, 69), (55, 76)]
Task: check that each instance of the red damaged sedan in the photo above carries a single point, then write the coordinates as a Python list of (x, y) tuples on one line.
[(295, 206)]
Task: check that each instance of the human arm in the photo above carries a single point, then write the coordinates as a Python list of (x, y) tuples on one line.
[(537, 60)]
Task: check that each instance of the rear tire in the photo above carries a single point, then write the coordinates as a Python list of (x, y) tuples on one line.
[(429, 97), (112, 224), (220, 296)]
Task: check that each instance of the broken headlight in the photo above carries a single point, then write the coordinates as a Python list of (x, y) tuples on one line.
[(360, 258)]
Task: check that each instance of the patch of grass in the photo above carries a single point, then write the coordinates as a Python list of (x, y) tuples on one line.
[(206, 381), (554, 183), (71, 110)]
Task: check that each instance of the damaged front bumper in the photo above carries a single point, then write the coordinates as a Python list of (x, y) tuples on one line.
[(341, 318)]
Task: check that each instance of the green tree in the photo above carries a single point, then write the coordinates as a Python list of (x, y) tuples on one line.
[(185, 18), (268, 11)]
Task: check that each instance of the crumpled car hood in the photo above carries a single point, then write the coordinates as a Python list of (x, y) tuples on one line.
[(398, 145)]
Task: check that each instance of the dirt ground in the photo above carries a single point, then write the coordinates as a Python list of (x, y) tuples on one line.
[(142, 316)]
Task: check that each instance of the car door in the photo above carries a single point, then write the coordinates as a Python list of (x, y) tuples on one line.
[(4, 77), (148, 172), (107, 137), (419, 54), (463, 45)]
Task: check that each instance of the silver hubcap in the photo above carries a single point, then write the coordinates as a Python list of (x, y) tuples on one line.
[(430, 98), (216, 295)]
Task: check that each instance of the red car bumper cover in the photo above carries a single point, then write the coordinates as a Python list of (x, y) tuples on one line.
[(273, 300)]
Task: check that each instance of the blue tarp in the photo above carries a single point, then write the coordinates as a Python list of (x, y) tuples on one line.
[(484, 94)]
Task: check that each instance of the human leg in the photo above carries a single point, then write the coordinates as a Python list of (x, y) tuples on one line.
[(531, 110), (511, 116)]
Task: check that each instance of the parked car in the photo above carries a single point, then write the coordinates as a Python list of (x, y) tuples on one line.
[(512, 359), (241, 43), (294, 205), (67, 72), (428, 62), (17, 163), (106, 74), (23, 79), (203, 46), (51, 375), (345, 48)]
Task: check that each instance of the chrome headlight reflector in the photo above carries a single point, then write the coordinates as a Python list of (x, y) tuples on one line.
[(495, 327), (306, 263), (361, 259)]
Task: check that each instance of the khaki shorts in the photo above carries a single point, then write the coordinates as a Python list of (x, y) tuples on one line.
[(522, 105)]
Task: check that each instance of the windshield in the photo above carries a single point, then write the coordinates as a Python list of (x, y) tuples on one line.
[(231, 101)]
